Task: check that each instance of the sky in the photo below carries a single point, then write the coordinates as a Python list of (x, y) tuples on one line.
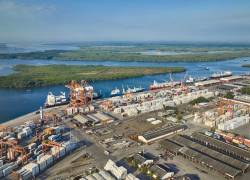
[(124, 20)]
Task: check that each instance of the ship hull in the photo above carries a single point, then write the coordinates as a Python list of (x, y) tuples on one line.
[(54, 105), (217, 77)]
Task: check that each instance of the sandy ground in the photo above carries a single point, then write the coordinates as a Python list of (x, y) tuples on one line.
[(30, 116)]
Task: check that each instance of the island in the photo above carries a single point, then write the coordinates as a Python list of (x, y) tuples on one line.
[(26, 76), (140, 52), (246, 65)]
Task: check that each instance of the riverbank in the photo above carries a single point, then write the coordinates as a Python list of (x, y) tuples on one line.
[(26, 76)]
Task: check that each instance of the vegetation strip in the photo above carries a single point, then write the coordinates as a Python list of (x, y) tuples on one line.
[(27, 76)]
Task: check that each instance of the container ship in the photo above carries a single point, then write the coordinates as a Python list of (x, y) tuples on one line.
[(163, 85), (53, 100), (221, 74)]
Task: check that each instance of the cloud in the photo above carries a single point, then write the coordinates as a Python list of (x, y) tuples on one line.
[(17, 9)]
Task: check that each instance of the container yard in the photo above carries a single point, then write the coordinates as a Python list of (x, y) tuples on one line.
[(87, 138)]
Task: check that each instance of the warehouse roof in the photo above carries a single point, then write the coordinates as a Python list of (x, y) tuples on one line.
[(208, 82), (171, 146), (222, 145), (217, 165), (139, 158), (160, 132), (81, 119), (212, 153), (159, 171), (231, 78)]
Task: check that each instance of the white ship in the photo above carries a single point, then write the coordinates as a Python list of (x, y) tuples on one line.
[(53, 100), (190, 79), (115, 92), (162, 85), (133, 90), (221, 74)]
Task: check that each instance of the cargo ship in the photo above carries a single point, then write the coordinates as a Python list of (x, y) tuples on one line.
[(133, 90), (53, 100), (221, 74), (163, 85)]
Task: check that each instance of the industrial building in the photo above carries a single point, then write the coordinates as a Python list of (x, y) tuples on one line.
[(205, 155), (161, 133), (207, 83), (141, 160), (158, 172), (226, 148)]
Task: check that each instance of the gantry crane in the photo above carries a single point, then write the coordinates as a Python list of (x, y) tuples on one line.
[(18, 150), (47, 144), (80, 93)]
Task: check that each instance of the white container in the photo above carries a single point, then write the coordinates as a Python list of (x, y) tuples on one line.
[(21, 135), (42, 165), (33, 168), (32, 146), (8, 170)]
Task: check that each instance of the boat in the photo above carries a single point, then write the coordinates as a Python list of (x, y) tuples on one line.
[(221, 74), (207, 68), (133, 90), (201, 79), (169, 84), (53, 100), (115, 92), (97, 95), (190, 79)]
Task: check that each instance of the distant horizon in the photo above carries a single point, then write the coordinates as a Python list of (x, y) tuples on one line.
[(129, 42)]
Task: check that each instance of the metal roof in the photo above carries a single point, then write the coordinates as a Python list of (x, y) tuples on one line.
[(160, 132), (212, 163), (231, 149), (225, 159), (171, 146)]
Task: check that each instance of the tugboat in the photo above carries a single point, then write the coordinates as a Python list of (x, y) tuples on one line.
[(115, 92), (53, 100)]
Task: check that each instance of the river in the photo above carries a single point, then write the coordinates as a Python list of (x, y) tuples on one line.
[(15, 103)]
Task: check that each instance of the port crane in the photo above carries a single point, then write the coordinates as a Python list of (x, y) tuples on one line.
[(80, 93), (49, 144)]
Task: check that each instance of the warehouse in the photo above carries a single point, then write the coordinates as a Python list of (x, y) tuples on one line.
[(141, 160), (222, 146), (231, 78), (152, 136), (159, 172), (209, 163), (228, 87), (207, 83), (171, 147), (227, 160), (81, 119)]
